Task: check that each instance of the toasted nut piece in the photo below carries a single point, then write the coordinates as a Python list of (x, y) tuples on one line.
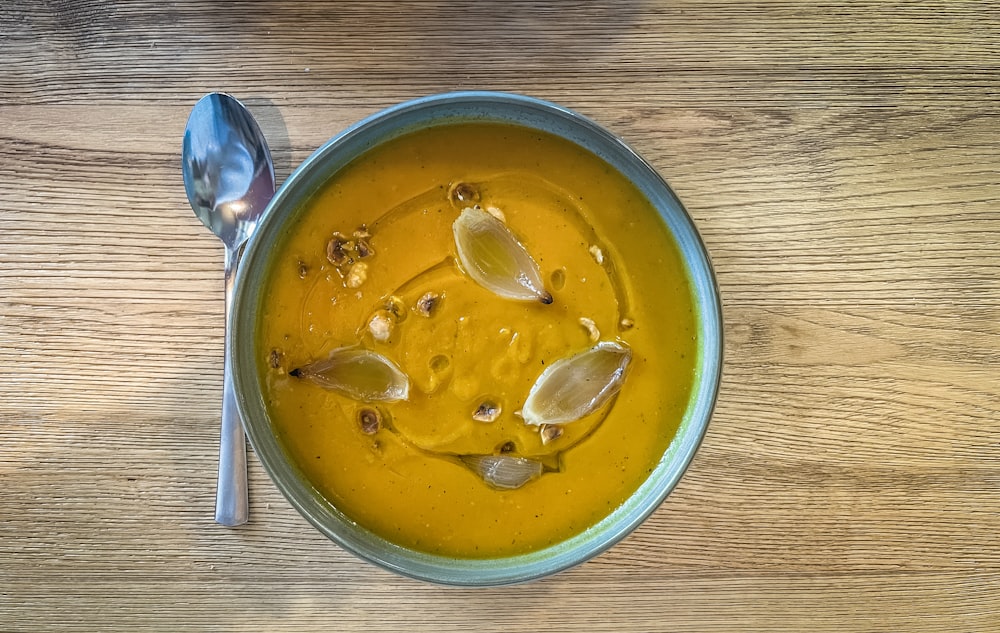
[(550, 432), (380, 326), (274, 358), (357, 275), (428, 303), (462, 193), (488, 411), (395, 306), (596, 253), (338, 250), (370, 421), (591, 327), (364, 248)]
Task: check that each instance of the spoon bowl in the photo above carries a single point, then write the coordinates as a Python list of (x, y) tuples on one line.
[(229, 180), (227, 167)]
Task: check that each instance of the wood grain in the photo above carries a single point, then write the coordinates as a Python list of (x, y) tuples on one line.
[(842, 161)]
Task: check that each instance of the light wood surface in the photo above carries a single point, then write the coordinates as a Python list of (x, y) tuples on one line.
[(841, 159)]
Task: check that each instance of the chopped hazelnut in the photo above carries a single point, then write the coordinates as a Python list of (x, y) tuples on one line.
[(463, 192), (274, 358), (370, 421), (395, 306), (428, 303), (488, 411), (550, 432), (380, 326), (338, 250), (364, 248), (596, 253), (592, 332), (357, 275)]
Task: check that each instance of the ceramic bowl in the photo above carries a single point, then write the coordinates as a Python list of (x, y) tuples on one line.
[(282, 213)]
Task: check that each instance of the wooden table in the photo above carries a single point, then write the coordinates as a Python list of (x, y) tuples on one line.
[(843, 165)]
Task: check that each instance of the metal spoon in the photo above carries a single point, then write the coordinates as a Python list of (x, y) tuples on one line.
[(229, 179)]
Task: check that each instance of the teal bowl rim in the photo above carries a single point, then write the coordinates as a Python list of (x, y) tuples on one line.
[(448, 108)]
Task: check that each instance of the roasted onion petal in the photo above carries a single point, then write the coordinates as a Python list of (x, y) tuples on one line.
[(494, 259), (504, 471), (574, 387), (359, 374)]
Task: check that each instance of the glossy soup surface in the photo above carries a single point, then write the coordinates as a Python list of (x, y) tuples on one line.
[(604, 255)]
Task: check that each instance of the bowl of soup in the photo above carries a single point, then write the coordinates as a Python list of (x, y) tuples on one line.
[(476, 339)]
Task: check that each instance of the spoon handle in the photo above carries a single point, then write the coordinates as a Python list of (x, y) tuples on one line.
[(231, 503)]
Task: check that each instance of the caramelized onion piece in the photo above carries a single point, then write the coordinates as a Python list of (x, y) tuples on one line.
[(494, 259), (574, 387), (359, 374), (503, 471)]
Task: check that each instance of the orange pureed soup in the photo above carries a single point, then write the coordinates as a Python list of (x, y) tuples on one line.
[(374, 270)]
